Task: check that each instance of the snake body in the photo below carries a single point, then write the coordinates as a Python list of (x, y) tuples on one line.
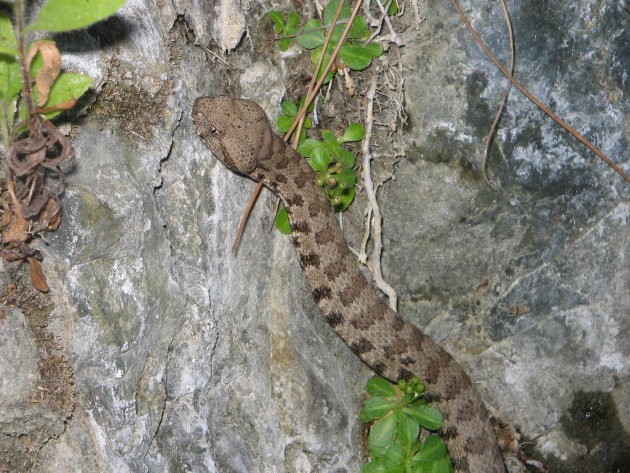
[(238, 133)]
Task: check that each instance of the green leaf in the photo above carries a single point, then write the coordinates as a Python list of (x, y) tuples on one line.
[(315, 59), (302, 136), (9, 51), (377, 453), (277, 20), (394, 455), (378, 386), (439, 466), (66, 87), (345, 158), (284, 123), (336, 36), (282, 221), (374, 49), (312, 39), (333, 146), (328, 136), (341, 198), (346, 178), (393, 8), (331, 8), (355, 57), (284, 44), (306, 148), (415, 447), (7, 34), (373, 467), (292, 21), (383, 432), (289, 108), (359, 28), (311, 107), (354, 132), (419, 467), (10, 74), (428, 417), (375, 408), (433, 448), (408, 430), (320, 159), (66, 15), (290, 30), (321, 178)]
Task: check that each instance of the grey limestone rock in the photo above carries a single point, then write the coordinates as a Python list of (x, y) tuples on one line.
[(187, 358)]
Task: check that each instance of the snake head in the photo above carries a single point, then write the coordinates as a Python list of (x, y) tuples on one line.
[(236, 131)]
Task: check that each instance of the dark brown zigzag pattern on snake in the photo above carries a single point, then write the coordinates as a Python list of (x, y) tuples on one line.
[(238, 133)]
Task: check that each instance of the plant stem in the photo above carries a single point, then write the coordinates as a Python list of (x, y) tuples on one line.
[(26, 74), (5, 126)]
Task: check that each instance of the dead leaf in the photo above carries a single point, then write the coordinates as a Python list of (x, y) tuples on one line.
[(37, 275), (18, 251), (49, 72), (46, 215), (22, 158), (17, 228), (54, 223)]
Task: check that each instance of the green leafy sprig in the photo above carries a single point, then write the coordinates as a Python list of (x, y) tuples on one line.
[(332, 164), (353, 53), (398, 413), (289, 113)]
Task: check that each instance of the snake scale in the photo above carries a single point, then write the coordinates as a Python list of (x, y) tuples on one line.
[(239, 134)]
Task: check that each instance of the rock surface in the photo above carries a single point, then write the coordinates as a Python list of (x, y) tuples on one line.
[(187, 358)]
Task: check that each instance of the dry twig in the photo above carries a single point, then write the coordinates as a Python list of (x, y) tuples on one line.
[(375, 221)]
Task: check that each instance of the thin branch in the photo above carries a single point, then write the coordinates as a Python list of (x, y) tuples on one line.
[(393, 36), (506, 93), (217, 57), (310, 30), (27, 93), (538, 103), (248, 210)]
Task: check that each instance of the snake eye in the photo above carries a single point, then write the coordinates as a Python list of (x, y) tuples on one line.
[(213, 131)]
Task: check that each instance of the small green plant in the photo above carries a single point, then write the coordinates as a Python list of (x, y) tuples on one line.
[(284, 28), (332, 164), (398, 413), (353, 53), (289, 112), (33, 90)]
